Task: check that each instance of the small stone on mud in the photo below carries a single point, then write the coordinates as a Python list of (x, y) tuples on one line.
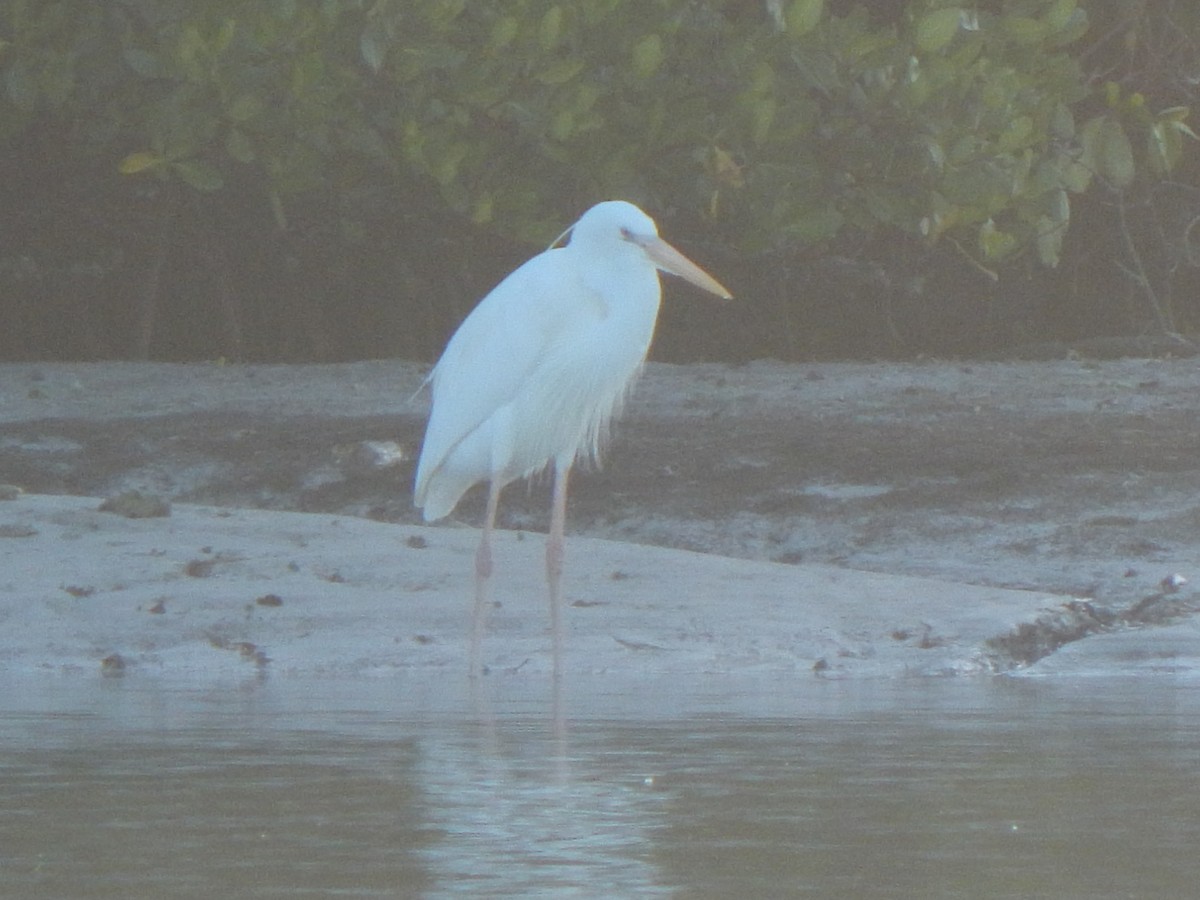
[(136, 505), (199, 568)]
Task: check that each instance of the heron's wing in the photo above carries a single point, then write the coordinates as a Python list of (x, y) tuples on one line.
[(495, 352)]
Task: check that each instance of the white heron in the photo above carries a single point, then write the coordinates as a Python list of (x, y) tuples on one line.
[(534, 374)]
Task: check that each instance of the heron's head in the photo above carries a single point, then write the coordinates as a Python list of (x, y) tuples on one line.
[(615, 228), (613, 220)]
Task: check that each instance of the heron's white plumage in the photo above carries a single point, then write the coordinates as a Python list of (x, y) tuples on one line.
[(537, 370), (535, 373)]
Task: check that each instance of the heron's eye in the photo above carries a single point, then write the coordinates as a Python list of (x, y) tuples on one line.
[(626, 234)]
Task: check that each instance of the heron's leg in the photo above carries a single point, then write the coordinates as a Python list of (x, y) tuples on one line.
[(554, 560), (483, 578)]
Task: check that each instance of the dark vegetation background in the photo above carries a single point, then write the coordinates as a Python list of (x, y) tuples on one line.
[(318, 180)]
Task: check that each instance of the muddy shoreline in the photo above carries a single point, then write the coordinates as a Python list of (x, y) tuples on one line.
[(1074, 484)]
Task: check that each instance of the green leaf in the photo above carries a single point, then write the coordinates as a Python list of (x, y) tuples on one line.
[(562, 126), (762, 117), (445, 11), (1062, 122), (936, 29), (964, 149), (560, 72), (1174, 117), (1075, 176), (245, 108), (224, 36), (1060, 207), (1164, 147), (1023, 29), (803, 16), (994, 243), (1116, 154), (238, 146), (504, 32), (143, 62), (647, 55), (934, 150), (1089, 143), (1182, 128), (1016, 135), (445, 168), (1059, 13), (190, 51), (201, 175), (372, 46), (1075, 27), (550, 29), (812, 224), (1049, 240), (139, 162), (307, 70)]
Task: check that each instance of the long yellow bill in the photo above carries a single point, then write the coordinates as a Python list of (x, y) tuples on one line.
[(671, 260)]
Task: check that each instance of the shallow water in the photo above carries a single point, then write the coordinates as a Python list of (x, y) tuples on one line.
[(136, 788)]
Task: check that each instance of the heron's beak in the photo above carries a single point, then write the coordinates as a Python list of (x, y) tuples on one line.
[(671, 260)]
